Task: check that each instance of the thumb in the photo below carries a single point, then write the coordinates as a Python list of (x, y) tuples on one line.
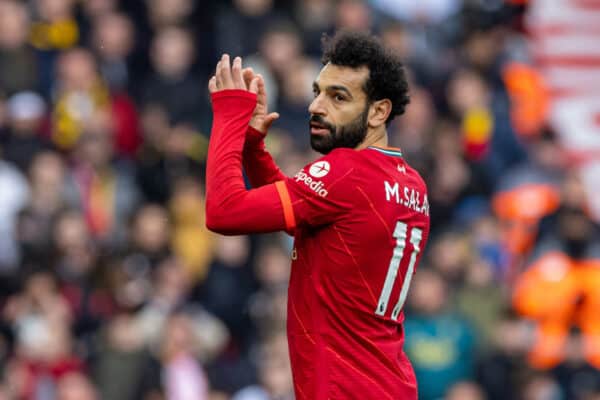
[(269, 119), (253, 87)]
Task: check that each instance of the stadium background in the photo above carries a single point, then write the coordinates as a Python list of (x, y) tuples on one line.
[(111, 287)]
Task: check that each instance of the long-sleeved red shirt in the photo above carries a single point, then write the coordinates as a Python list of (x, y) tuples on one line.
[(360, 220), (230, 208)]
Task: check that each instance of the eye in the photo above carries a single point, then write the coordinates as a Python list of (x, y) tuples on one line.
[(315, 92), (339, 97)]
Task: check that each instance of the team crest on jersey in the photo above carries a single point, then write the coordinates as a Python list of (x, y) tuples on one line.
[(319, 169)]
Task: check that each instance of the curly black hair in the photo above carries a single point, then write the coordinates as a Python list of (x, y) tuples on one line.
[(386, 74)]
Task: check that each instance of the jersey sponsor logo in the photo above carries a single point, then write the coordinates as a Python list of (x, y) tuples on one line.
[(408, 197), (319, 169), (316, 186)]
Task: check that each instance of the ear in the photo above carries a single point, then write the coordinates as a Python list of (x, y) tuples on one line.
[(379, 111)]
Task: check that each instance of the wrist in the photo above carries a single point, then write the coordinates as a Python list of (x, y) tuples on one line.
[(254, 138), (255, 133)]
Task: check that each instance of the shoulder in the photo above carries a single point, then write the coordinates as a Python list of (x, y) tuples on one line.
[(338, 165), (327, 176)]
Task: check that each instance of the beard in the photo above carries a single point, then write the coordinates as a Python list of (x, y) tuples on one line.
[(349, 136)]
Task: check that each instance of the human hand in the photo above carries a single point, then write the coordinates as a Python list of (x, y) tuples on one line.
[(261, 118), (229, 77)]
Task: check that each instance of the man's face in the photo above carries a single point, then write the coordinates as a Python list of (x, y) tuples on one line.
[(339, 111)]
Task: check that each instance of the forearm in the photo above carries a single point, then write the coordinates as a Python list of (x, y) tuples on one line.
[(230, 208), (258, 162)]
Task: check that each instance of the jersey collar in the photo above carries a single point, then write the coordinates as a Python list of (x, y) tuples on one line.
[(390, 151)]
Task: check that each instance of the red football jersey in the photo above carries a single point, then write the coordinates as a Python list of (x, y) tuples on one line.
[(360, 221)]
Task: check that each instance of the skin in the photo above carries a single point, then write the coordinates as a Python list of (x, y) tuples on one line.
[(339, 98)]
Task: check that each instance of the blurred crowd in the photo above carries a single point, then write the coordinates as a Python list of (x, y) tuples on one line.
[(112, 288)]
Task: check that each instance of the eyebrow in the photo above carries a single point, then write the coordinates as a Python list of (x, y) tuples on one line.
[(335, 88)]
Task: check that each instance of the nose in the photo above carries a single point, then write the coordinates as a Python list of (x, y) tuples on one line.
[(316, 107)]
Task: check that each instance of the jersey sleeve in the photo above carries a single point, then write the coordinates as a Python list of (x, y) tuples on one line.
[(231, 209), (321, 192), (258, 162)]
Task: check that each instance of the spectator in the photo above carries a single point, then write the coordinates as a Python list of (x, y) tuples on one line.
[(465, 391), (80, 95), (314, 17), (228, 286), (26, 115), (166, 154), (275, 373), (92, 11), (77, 265), (489, 140), (191, 241), (452, 178), (541, 387), (480, 300), (163, 13), (177, 374), (16, 189), (353, 15), (45, 350), (268, 305), (121, 359), (247, 19), (412, 132), (439, 343), (279, 47), (36, 220), (113, 40), (173, 85), (501, 371), (99, 185), (171, 292), (75, 386), (55, 29), (18, 64)]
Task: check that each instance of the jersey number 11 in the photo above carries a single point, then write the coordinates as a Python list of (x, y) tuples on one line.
[(400, 233)]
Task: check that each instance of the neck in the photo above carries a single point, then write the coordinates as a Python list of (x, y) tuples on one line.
[(377, 137)]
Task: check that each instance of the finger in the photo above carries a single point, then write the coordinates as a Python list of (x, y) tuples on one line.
[(218, 76), (236, 74), (212, 85), (269, 119), (262, 93), (248, 74), (225, 73), (253, 85)]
